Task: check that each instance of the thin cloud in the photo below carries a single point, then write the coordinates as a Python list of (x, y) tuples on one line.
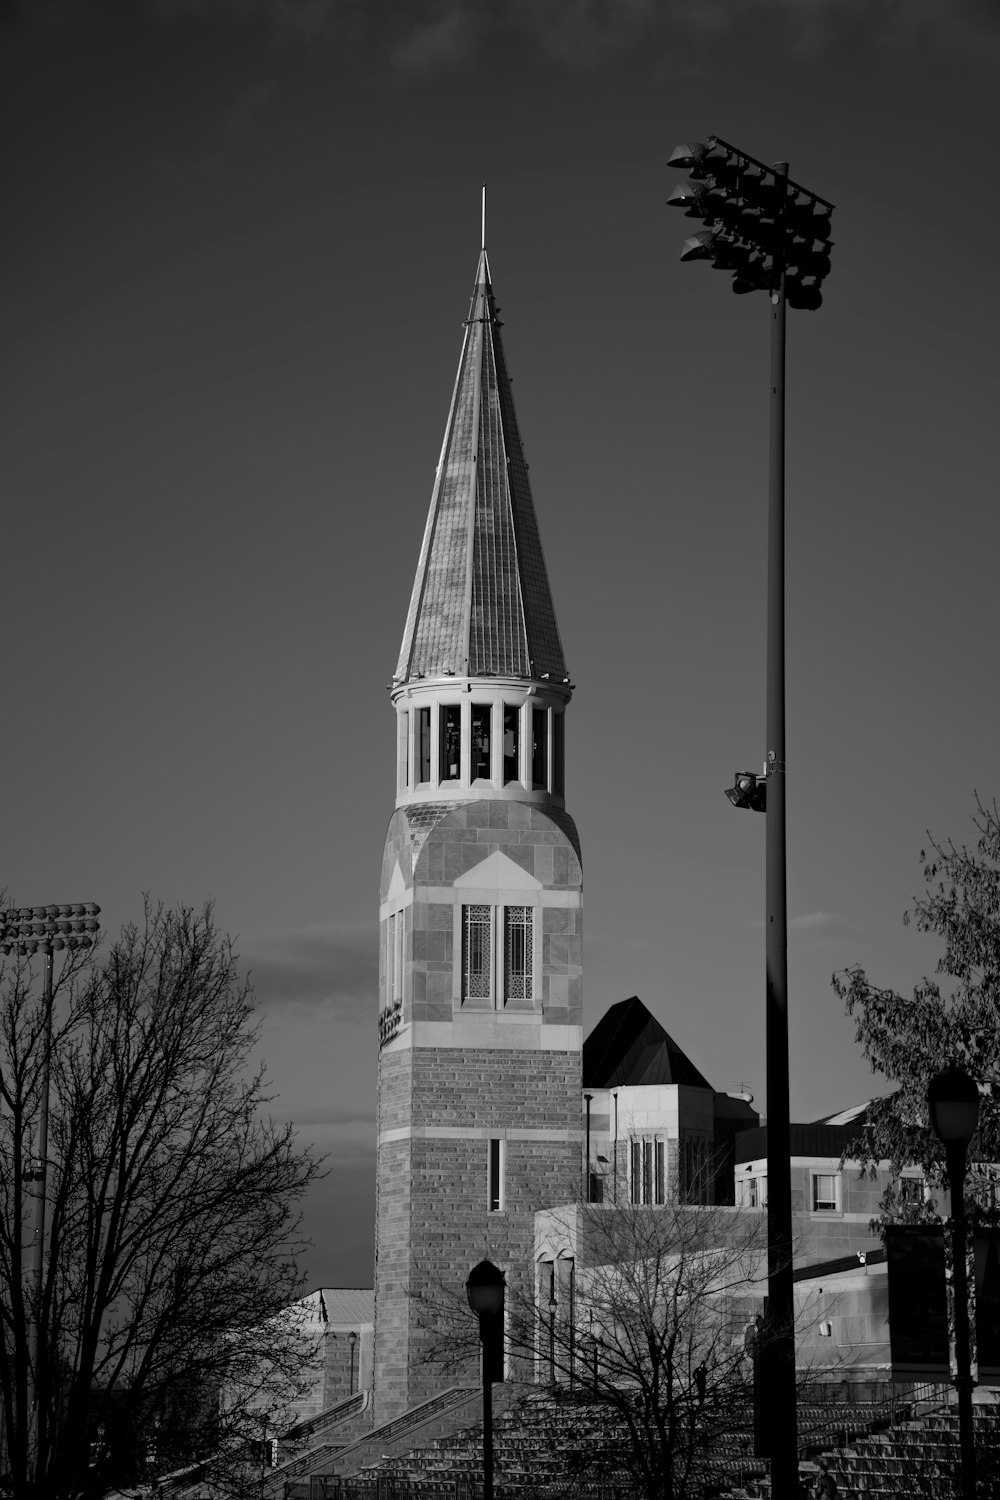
[(424, 36), (328, 1116), (817, 926), (813, 927), (317, 965)]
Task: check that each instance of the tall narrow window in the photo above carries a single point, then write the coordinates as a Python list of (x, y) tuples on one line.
[(511, 743), (403, 759), (539, 748), (558, 753), (450, 737), (648, 1161), (397, 956), (482, 717), (495, 1190), (477, 952), (518, 924), (693, 1185), (424, 743)]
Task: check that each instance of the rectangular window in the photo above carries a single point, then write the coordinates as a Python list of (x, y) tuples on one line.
[(482, 718), (397, 956), (596, 1188), (450, 741), (825, 1196), (558, 752), (404, 746), (477, 952), (911, 1190), (424, 743), (693, 1186), (511, 743), (539, 748), (648, 1161), (518, 924), (746, 1192), (752, 1192), (495, 1192)]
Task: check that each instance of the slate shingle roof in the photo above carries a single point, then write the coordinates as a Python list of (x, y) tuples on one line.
[(629, 1047), (481, 604)]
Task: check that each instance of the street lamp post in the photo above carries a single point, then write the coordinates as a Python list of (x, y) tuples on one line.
[(953, 1099), (485, 1289), (773, 235), (352, 1340), (47, 930)]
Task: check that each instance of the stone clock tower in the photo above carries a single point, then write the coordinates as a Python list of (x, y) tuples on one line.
[(480, 1008)]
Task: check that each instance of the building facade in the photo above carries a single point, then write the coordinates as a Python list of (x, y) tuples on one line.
[(480, 1010)]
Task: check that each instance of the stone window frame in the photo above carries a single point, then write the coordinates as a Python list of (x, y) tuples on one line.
[(912, 1187), (825, 1204), (649, 1187), (499, 999), (496, 1174), (751, 1190)]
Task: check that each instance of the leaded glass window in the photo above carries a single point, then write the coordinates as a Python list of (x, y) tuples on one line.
[(477, 952), (518, 932)]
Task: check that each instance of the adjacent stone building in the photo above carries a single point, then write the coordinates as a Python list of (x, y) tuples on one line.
[(479, 1098)]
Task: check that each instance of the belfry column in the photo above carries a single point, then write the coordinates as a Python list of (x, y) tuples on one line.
[(480, 1019)]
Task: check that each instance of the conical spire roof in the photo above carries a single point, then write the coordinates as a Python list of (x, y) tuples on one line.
[(481, 604)]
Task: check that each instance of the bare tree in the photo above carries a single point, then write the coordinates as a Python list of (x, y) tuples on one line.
[(171, 1232), (645, 1334), (638, 1329)]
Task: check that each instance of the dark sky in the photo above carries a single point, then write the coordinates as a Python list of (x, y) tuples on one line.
[(239, 241)]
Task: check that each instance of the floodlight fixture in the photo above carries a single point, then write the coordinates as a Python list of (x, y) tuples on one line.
[(748, 791)]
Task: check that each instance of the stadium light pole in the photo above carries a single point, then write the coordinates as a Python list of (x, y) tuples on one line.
[(773, 236), (47, 930)]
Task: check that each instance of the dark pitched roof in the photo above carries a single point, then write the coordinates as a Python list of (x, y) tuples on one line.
[(481, 604), (629, 1047), (815, 1139)]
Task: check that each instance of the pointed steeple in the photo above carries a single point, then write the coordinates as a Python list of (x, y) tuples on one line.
[(481, 606)]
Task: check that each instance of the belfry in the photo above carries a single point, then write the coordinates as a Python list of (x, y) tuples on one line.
[(480, 1019)]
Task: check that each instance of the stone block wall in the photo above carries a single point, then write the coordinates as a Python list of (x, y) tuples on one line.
[(434, 1219), (454, 1076)]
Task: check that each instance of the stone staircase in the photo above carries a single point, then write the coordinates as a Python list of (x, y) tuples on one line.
[(916, 1458), (876, 1450), (356, 1451), (543, 1446)]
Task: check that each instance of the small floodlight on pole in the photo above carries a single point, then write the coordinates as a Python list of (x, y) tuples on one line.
[(953, 1100), (773, 236), (27, 930), (485, 1289)]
